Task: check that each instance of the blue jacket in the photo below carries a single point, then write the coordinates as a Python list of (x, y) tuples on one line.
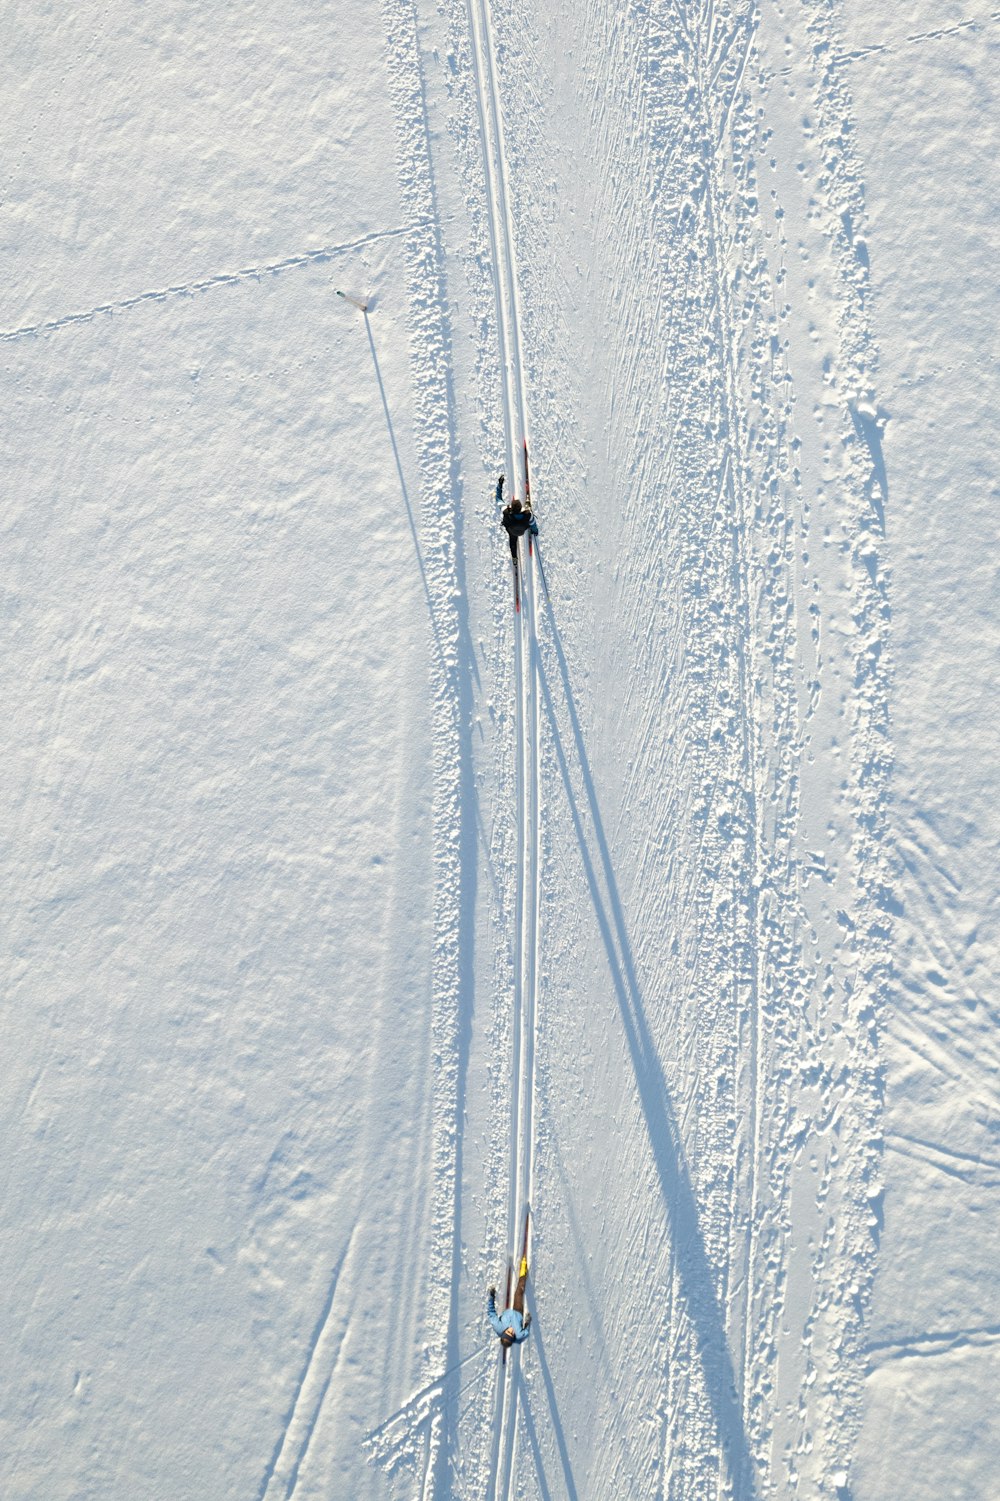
[(509, 1319)]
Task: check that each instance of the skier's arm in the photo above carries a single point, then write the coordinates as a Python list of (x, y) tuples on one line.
[(491, 1311), (520, 1338), (500, 491)]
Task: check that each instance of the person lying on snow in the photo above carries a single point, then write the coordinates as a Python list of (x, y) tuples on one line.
[(513, 1324), (517, 519)]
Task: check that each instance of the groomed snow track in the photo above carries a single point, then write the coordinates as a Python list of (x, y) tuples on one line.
[(526, 767), (658, 1109)]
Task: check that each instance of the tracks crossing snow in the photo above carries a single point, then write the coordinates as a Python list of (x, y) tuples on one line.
[(322, 1359)]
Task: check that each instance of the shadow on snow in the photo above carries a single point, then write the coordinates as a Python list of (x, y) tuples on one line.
[(550, 1395), (694, 1270), (459, 673)]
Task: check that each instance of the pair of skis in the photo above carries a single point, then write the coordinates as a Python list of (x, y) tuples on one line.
[(522, 1271), (527, 501)]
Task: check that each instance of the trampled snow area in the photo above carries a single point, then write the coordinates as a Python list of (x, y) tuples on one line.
[(349, 911)]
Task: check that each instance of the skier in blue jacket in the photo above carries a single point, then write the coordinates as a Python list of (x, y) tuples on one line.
[(513, 1324)]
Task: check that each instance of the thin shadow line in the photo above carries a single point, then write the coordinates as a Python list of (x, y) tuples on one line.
[(406, 494), (694, 1269)]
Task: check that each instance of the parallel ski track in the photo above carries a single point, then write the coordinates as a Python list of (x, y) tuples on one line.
[(526, 902)]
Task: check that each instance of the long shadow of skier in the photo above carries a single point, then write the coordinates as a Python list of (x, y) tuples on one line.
[(695, 1272), (533, 1444), (550, 1395)]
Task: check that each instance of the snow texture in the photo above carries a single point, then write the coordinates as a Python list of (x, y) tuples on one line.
[(349, 911)]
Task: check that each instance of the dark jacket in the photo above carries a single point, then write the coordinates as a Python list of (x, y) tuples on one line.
[(519, 522)]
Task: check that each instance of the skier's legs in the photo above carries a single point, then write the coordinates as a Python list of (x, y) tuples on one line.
[(513, 547), (519, 1292)]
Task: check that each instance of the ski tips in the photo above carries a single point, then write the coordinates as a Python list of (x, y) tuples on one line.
[(361, 303)]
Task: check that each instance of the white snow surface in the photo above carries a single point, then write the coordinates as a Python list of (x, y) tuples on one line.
[(348, 911)]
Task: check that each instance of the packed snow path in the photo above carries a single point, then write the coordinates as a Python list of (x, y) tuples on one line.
[(706, 495), (526, 751)]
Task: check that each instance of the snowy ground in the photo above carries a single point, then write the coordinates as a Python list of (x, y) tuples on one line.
[(346, 909)]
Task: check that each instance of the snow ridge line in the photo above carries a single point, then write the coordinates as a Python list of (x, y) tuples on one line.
[(210, 283), (490, 119), (451, 672), (735, 470)]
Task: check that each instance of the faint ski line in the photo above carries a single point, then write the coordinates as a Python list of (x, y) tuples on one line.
[(718, 62), (423, 1394), (293, 1478), (293, 1413), (974, 1159), (928, 1155), (427, 1479), (406, 498), (209, 283), (964, 1175), (922, 1346), (737, 81)]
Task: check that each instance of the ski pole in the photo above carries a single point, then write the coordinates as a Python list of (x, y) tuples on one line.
[(541, 573)]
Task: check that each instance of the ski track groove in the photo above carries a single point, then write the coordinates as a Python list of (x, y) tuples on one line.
[(525, 960)]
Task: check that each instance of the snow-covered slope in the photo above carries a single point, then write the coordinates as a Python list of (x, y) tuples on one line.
[(927, 111), (350, 910), (220, 707)]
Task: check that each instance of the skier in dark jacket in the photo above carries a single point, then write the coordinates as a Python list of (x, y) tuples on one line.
[(513, 1324), (516, 519)]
